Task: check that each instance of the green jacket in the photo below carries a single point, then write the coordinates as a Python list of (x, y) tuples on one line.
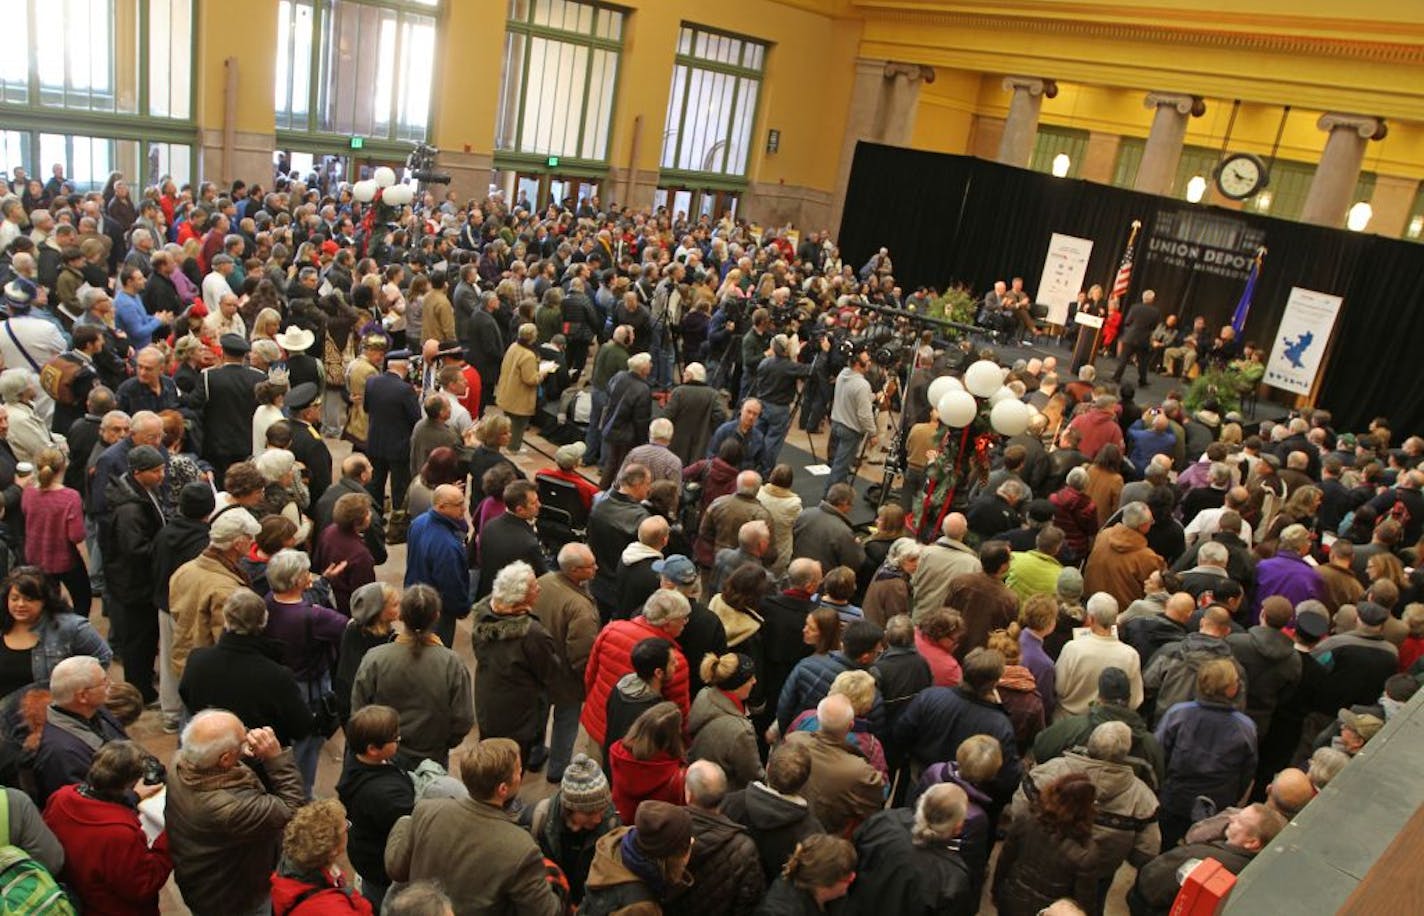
[(612, 359), (1033, 573)]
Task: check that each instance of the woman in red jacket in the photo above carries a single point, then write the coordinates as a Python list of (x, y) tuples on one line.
[(108, 863), (647, 762), (308, 882)]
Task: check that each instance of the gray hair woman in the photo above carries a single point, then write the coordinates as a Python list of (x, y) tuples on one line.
[(285, 494), (309, 635), (890, 592)]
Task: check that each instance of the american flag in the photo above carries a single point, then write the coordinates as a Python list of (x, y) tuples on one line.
[(1124, 270)]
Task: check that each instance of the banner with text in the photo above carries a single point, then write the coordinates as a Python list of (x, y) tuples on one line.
[(1300, 340), (1064, 268), (1198, 262)]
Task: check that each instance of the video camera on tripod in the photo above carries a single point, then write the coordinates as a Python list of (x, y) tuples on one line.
[(420, 165)]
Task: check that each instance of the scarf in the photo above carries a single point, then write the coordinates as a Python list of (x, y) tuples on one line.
[(649, 871)]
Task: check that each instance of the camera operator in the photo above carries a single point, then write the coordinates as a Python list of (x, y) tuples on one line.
[(816, 401), (852, 417), (666, 313), (754, 344), (776, 379), (721, 351)]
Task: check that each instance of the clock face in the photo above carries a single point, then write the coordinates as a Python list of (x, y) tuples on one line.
[(1240, 176)]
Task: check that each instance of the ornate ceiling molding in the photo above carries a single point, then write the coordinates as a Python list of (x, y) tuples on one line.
[(1256, 42)]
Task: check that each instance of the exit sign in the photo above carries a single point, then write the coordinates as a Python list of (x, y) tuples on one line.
[(553, 162), (358, 142)]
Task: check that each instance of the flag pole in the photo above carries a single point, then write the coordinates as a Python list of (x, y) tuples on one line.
[(1098, 333)]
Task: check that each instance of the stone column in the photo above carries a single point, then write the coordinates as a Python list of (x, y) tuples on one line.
[(1333, 186), (882, 110), (1021, 126), (1164, 143)]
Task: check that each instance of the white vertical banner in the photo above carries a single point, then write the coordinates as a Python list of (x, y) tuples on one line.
[(1300, 340), (1064, 268)]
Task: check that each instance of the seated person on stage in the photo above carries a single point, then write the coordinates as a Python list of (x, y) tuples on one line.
[(1178, 361)]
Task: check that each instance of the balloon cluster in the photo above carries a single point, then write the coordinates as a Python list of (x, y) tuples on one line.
[(958, 402), (383, 181)]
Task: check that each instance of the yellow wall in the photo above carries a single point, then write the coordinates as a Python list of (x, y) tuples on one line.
[(468, 64), (246, 31), (944, 116)]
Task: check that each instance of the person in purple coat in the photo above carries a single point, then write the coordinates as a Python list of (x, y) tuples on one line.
[(1287, 573)]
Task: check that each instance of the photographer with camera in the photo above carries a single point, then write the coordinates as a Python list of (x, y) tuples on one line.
[(776, 384), (754, 344), (852, 417)]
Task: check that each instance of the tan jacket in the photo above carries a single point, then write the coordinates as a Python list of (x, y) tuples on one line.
[(487, 863), (356, 377), (226, 831), (196, 595), (844, 789), (567, 611), (1120, 563), (437, 317), (940, 564), (517, 391)]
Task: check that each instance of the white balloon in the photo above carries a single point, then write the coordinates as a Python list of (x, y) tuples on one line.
[(942, 386), (1003, 393), (398, 195), (364, 191), (957, 409), (1009, 417), (983, 378), (385, 176)]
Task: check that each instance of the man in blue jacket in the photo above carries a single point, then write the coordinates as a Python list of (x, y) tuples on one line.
[(435, 556)]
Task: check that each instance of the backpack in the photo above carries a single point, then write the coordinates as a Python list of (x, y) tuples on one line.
[(26, 887), (57, 379)]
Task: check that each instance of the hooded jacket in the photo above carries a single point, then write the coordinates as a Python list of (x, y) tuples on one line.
[(1125, 828), (612, 887), (897, 876), (181, 540), (775, 822), (722, 733), (108, 863), (1272, 667), (1120, 562), (376, 796), (1172, 676), (659, 777), (1146, 754), (1211, 751), (515, 660), (975, 840), (631, 697), (292, 895), (636, 579)]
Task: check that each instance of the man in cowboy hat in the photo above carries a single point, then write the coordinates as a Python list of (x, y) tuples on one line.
[(302, 367), (304, 406)]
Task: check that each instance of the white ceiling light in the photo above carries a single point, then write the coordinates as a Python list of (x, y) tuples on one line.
[(1196, 189), (1359, 216), (1061, 163)]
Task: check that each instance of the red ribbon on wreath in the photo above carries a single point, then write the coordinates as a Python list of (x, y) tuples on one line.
[(949, 497)]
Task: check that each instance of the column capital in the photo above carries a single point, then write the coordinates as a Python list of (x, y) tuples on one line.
[(1368, 127), (1184, 104), (1033, 85), (911, 72)]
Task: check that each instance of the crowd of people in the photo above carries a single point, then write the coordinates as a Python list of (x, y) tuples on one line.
[(1147, 637)]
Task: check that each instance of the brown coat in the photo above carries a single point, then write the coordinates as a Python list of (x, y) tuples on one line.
[(985, 603), (437, 317), (1120, 562), (567, 611), (443, 838), (724, 519), (1341, 586), (517, 391), (226, 827), (843, 789)]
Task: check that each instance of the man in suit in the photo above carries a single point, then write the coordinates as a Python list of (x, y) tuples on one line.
[(511, 536), (393, 408), (1136, 338), (226, 399), (484, 345), (304, 405)]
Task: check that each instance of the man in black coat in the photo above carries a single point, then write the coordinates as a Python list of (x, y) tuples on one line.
[(83, 435), (1136, 337), (612, 526), (511, 537), (159, 293), (394, 408), (484, 345), (909, 860), (625, 420), (695, 409), (130, 526), (355, 475), (304, 403), (226, 399)]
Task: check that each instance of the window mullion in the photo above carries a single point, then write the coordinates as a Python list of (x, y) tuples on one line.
[(682, 117)]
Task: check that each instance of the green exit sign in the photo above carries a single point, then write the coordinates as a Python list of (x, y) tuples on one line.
[(553, 162), (358, 142)]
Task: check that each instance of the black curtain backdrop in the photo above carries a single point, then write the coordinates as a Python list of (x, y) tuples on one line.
[(956, 219)]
